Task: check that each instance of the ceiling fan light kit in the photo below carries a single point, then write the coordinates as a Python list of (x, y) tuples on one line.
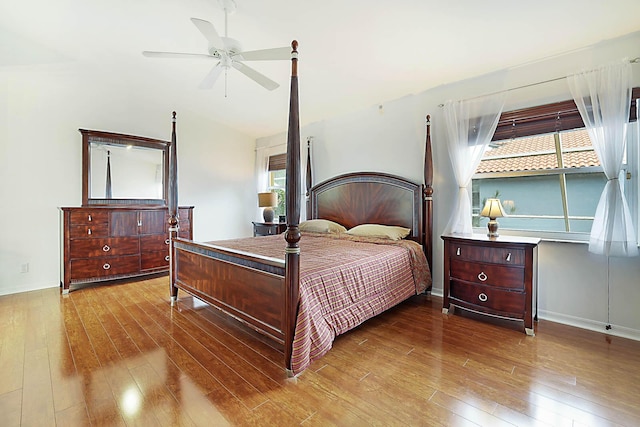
[(228, 53)]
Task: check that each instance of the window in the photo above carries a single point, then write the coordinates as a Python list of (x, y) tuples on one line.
[(277, 180), (542, 166), (549, 182)]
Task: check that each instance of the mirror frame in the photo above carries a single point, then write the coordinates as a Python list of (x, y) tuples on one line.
[(96, 136)]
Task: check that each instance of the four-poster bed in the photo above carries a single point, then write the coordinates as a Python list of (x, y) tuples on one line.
[(287, 298)]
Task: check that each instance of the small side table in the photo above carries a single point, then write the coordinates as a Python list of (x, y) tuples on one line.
[(268, 228), (494, 276)]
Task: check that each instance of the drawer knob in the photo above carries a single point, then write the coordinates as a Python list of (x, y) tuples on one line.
[(167, 241), (166, 258), (89, 219), (106, 266), (88, 231), (482, 277), (458, 252), (106, 248), (483, 297), (508, 259)]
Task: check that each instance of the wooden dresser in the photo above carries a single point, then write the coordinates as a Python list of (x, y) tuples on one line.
[(107, 243), (496, 277)]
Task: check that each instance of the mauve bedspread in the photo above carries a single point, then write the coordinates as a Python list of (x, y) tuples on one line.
[(344, 280)]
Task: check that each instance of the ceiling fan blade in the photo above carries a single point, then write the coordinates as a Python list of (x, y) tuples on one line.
[(151, 54), (265, 54), (209, 32), (210, 79), (257, 77)]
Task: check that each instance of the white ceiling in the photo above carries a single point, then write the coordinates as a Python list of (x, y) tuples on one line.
[(353, 53)]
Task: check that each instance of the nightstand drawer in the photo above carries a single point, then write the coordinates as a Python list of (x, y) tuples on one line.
[(488, 274), (268, 228), (487, 299), (511, 256)]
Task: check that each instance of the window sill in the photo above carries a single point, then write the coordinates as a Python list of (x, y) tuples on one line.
[(545, 236)]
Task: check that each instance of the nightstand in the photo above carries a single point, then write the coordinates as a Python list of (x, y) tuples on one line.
[(493, 276), (268, 228)]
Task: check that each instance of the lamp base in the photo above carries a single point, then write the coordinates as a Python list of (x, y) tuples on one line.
[(492, 225), (268, 214)]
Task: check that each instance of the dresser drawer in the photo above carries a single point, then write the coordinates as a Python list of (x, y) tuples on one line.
[(100, 247), (156, 242), (106, 266), (488, 274), (154, 260), (495, 255), (88, 216), (89, 230), (488, 299)]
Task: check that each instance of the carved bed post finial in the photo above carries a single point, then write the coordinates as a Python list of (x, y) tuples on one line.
[(173, 207), (428, 195), (294, 58)]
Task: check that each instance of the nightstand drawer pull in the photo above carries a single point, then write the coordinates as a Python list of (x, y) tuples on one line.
[(106, 266), (90, 219), (458, 252), (508, 257), (483, 297), (106, 248), (167, 241), (482, 277), (166, 258)]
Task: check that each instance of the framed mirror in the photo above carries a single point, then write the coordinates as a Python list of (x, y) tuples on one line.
[(119, 169)]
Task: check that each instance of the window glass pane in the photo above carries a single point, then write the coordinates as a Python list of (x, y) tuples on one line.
[(277, 181), (527, 176), (583, 195), (531, 203)]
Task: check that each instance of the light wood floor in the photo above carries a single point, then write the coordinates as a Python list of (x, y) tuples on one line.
[(120, 355)]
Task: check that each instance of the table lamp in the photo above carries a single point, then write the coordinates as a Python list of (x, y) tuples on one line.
[(492, 210), (267, 201)]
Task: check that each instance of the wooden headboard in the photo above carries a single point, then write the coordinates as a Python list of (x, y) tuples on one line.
[(370, 198)]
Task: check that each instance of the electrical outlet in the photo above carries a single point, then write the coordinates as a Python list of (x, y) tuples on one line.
[(24, 268)]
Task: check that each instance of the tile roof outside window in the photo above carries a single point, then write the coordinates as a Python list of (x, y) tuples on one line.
[(538, 153)]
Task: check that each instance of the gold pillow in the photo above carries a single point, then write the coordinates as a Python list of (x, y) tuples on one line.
[(322, 226), (382, 231)]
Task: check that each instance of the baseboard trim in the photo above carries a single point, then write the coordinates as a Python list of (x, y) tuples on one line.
[(31, 287), (592, 325)]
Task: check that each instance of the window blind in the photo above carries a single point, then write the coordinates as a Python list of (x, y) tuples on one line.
[(547, 118), (277, 162)]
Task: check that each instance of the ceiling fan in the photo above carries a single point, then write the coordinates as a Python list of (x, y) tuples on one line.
[(228, 53)]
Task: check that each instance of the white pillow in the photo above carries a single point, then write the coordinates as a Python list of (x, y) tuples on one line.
[(322, 226), (382, 231)]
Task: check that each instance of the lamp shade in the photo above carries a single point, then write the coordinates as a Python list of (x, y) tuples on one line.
[(492, 209), (267, 200)]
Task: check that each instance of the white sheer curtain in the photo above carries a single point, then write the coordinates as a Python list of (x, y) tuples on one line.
[(470, 127), (603, 97)]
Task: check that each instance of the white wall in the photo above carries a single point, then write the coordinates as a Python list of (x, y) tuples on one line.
[(573, 284), (41, 109)]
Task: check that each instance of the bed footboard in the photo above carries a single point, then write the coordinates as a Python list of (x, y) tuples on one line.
[(249, 287)]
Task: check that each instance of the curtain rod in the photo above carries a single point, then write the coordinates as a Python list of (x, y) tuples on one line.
[(632, 61)]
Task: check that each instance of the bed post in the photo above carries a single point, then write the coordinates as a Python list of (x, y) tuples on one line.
[(292, 235), (173, 209), (309, 178), (427, 207)]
